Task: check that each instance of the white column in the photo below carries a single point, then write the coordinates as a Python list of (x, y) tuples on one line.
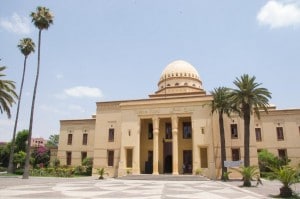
[(175, 144), (155, 145), (137, 150)]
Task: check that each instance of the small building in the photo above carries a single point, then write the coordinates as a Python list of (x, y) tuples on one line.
[(37, 142), (173, 131)]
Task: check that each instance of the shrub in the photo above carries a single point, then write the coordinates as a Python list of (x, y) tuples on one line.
[(55, 172), (198, 171), (88, 164), (226, 175), (3, 169), (287, 176), (19, 171), (268, 160), (80, 170), (56, 163), (248, 173), (101, 173)]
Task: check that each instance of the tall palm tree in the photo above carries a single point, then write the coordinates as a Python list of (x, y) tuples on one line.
[(7, 93), (222, 105), (249, 96), (42, 19), (26, 47)]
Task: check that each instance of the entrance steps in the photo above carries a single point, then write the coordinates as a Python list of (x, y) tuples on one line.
[(164, 177)]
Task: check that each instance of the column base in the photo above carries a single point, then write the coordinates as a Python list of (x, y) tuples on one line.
[(155, 173), (175, 173)]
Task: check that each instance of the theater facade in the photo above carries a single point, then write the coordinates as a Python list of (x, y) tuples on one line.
[(173, 131)]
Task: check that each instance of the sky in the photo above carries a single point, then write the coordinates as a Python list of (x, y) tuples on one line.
[(103, 50)]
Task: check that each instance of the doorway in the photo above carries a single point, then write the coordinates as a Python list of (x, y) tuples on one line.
[(187, 161), (168, 162)]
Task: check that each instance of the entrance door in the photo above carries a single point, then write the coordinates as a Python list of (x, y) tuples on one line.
[(168, 157), (187, 161)]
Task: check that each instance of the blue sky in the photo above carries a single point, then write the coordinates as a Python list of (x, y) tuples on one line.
[(102, 50)]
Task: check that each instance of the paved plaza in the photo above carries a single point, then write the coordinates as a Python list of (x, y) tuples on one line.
[(90, 187)]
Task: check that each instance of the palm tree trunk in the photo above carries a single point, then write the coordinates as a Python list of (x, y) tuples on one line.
[(10, 168), (223, 146), (26, 168), (247, 137)]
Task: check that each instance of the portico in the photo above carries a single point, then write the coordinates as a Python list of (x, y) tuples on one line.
[(163, 143)]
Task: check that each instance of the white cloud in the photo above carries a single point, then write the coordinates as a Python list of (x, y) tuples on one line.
[(82, 91), (16, 24), (277, 14)]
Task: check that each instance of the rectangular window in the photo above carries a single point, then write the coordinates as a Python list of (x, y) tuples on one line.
[(84, 139), (69, 158), (279, 131), (150, 131), (111, 135), (150, 156), (70, 137), (168, 134), (187, 130), (110, 158), (129, 153), (282, 154), (235, 154), (234, 131), (258, 134), (259, 150), (83, 155), (203, 158)]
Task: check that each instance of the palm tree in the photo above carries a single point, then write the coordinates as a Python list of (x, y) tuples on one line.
[(287, 176), (221, 104), (247, 97), (7, 93), (248, 173), (42, 19), (26, 47)]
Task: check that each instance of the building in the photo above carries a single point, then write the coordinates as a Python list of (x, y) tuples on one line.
[(172, 131), (38, 142)]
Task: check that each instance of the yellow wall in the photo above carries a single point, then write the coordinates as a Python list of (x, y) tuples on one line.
[(77, 128)]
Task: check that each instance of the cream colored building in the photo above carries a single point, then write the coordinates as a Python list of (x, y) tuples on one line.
[(172, 131)]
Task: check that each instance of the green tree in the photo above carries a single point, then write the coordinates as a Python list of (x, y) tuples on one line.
[(267, 160), (21, 140), (42, 19), (249, 96), (222, 105), (7, 93), (26, 46), (19, 159), (4, 155), (53, 141)]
